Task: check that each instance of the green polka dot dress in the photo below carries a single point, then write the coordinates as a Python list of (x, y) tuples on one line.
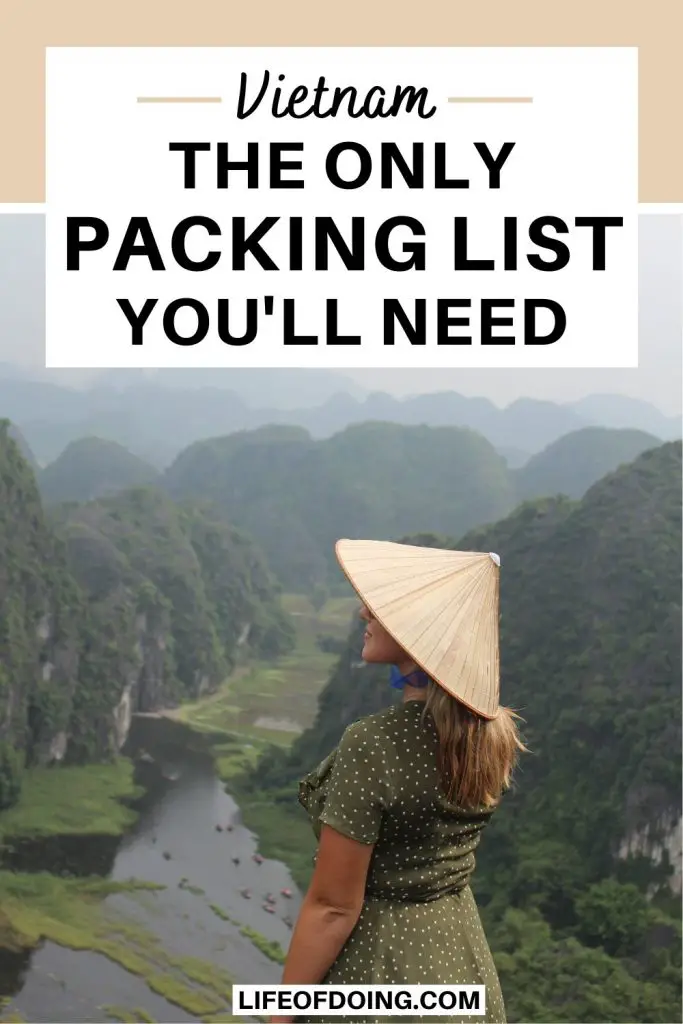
[(419, 923)]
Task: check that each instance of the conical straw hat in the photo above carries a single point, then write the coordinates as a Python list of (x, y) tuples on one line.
[(442, 607)]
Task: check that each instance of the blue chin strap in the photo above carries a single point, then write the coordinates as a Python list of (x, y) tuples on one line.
[(416, 678)]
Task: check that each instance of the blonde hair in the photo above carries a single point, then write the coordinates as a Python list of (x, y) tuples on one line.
[(477, 756)]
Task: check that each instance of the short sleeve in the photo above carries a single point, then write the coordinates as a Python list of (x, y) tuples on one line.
[(356, 796)]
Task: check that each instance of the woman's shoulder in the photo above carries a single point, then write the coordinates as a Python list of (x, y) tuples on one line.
[(373, 728), (378, 719)]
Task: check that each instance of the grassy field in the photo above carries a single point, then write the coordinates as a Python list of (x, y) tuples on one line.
[(284, 691), (81, 800)]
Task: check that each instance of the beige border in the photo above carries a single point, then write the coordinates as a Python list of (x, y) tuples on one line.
[(28, 26)]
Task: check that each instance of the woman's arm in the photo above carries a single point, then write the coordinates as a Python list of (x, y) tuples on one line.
[(330, 910)]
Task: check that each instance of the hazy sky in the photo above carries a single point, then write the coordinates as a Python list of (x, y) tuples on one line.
[(658, 379)]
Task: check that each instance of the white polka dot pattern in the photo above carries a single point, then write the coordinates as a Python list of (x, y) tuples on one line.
[(419, 923)]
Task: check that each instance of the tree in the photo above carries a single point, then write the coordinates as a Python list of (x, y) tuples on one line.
[(11, 769), (612, 915)]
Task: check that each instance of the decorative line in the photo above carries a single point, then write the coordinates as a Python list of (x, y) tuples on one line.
[(490, 99), (179, 99)]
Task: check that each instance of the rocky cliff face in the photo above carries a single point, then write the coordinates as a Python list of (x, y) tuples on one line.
[(126, 604), (659, 842), (39, 610)]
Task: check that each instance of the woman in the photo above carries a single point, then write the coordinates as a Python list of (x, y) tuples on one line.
[(399, 806)]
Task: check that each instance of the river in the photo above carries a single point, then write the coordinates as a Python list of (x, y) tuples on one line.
[(175, 843)]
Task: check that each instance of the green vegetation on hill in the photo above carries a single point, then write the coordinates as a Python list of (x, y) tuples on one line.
[(573, 880), (296, 496), (591, 631), (239, 586), (127, 603), (39, 613), (92, 468), (574, 462), (175, 597), (23, 446)]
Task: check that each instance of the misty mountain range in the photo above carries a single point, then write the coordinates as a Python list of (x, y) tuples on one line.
[(157, 414)]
